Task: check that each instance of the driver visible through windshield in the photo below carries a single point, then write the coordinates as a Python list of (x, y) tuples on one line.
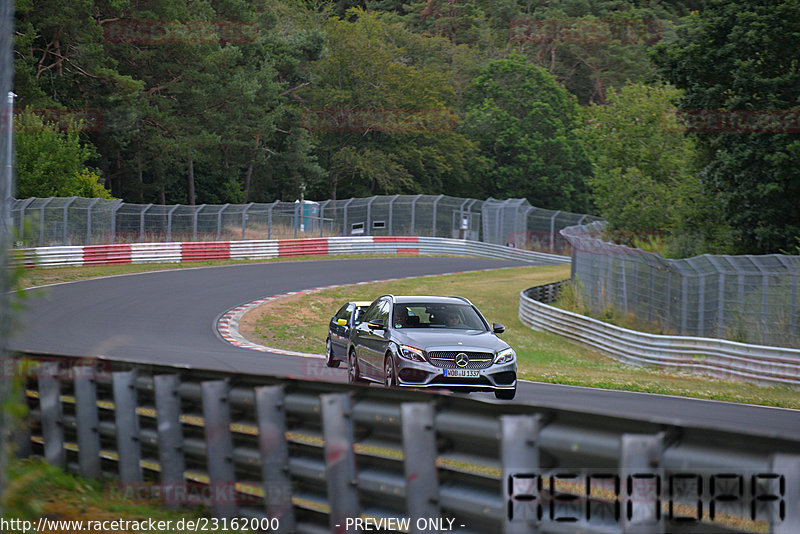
[(422, 315)]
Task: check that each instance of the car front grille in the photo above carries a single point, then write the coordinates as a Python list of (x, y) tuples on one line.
[(447, 359)]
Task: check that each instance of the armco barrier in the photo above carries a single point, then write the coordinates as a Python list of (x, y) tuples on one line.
[(248, 250), (314, 457), (715, 357)]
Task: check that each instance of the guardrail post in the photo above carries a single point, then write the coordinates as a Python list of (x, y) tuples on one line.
[(52, 419), (170, 434), (87, 421), (340, 460), (127, 421), (89, 221), (788, 503), (521, 478), (271, 417), (642, 494), (219, 448), (419, 457)]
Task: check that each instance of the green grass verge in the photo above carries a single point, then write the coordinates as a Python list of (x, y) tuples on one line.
[(300, 323)]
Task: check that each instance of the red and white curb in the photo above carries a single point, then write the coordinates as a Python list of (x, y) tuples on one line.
[(228, 322)]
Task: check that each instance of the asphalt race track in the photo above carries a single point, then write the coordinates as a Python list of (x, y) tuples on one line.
[(169, 317)]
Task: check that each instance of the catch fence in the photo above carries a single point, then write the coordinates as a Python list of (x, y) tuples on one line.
[(750, 299), (42, 222)]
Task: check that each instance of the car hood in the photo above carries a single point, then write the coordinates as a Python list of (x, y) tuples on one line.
[(480, 341)]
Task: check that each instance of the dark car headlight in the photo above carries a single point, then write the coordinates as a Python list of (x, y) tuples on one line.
[(411, 353), (505, 356)]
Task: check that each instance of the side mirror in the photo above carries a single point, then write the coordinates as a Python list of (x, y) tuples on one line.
[(498, 328), (341, 322), (377, 324)]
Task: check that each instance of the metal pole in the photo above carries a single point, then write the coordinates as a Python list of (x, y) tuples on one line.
[(22, 209), (391, 206), (8, 189), (368, 223), (41, 221), (344, 224), (169, 222), (244, 218), (269, 220), (553, 231), (114, 221), (141, 222), (194, 223), (435, 202), (219, 221), (413, 213), (89, 222), (66, 219)]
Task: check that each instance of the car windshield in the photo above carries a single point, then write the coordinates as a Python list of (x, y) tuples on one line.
[(430, 315)]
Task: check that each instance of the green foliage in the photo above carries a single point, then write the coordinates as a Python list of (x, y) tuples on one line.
[(740, 56), (53, 163), (524, 123)]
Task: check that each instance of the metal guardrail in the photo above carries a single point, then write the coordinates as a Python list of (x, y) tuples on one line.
[(265, 249), (314, 457), (715, 357)]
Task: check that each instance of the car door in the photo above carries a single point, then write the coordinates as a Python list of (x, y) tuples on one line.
[(360, 336), (340, 334), (374, 341)]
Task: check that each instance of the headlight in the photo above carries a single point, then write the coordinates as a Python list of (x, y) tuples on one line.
[(411, 353), (505, 356)]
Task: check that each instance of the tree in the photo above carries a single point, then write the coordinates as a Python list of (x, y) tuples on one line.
[(52, 163), (524, 123), (739, 60)]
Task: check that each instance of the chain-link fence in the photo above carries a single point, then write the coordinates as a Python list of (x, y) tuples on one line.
[(752, 299), (89, 221)]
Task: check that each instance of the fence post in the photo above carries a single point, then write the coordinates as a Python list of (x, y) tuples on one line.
[(194, 222), (413, 213), (141, 222), (269, 219), (219, 221), (66, 218), (25, 204), (127, 422), (169, 222), (344, 224), (219, 448), (271, 417), (340, 461), (89, 221), (170, 435), (87, 421), (419, 461), (640, 474), (41, 221), (322, 207), (391, 214), (435, 203), (244, 218), (521, 478), (51, 414), (553, 231), (114, 211)]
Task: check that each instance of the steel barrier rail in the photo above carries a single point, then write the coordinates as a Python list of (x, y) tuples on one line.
[(715, 357), (313, 456), (266, 249)]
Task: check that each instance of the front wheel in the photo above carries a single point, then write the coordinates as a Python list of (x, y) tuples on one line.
[(505, 394), (353, 374), (389, 376), (329, 361)]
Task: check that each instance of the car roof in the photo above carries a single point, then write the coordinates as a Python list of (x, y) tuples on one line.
[(362, 303), (429, 299)]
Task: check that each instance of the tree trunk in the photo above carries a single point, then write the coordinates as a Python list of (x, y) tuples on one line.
[(247, 177), (191, 181)]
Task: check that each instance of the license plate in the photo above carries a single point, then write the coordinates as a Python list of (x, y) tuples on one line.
[(461, 373)]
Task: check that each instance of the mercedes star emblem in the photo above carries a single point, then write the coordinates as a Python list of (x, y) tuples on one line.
[(462, 359)]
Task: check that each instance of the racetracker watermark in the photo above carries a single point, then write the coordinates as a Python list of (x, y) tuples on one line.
[(586, 31), (193, 493), (735, 121), (379, 120), (55, 368), (64, 120), (158, 32)]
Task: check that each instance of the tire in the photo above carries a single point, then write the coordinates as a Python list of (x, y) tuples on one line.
[(329, 361), (389, 376), (353, 374), (505, 394)]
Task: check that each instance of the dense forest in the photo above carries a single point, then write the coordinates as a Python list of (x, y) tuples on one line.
[(594, 106)]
